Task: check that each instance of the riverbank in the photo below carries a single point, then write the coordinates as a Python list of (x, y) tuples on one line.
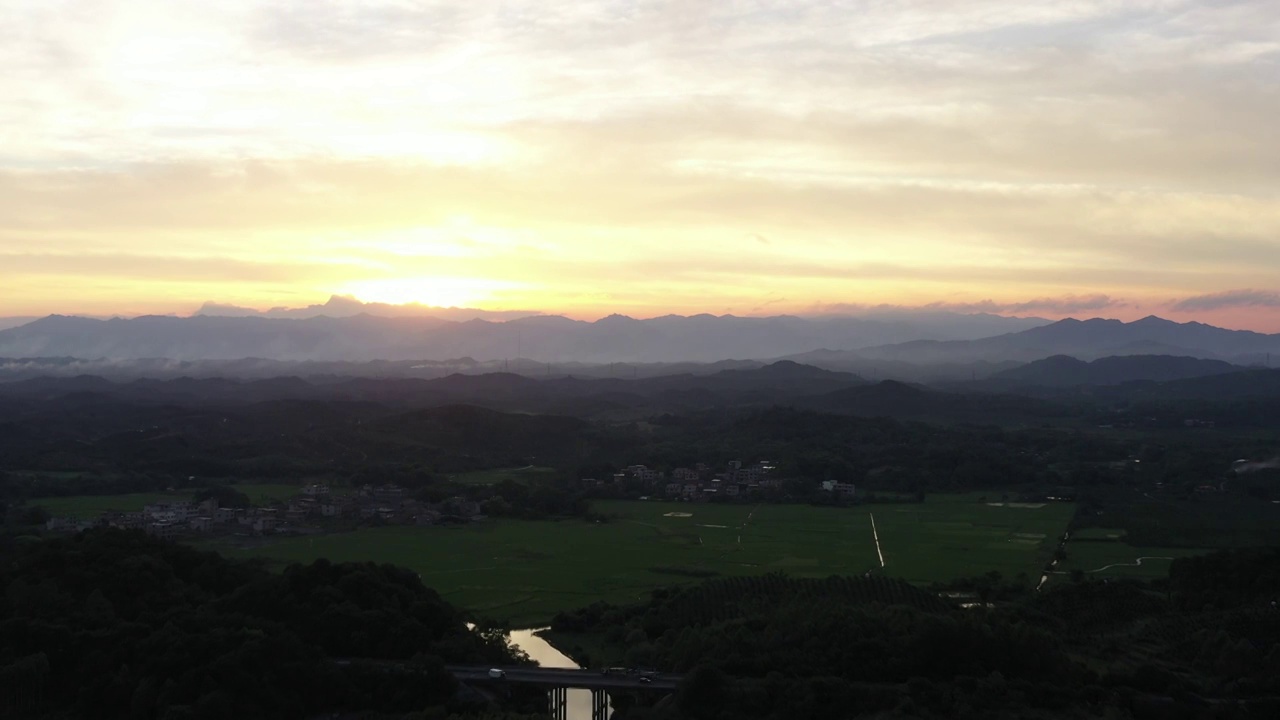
[(588, 650), (539, 648)]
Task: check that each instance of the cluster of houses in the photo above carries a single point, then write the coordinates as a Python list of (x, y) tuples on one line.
[(700, 482), (312, 508)]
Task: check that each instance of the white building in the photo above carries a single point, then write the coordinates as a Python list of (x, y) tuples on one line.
[(832, 486)]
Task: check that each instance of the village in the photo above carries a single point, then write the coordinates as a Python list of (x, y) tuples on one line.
[(316, 508), (703, 483)]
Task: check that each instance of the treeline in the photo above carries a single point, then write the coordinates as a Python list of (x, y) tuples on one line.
[(113, 624), (880, 453), (15, 485), (76, 437), (544, 497)]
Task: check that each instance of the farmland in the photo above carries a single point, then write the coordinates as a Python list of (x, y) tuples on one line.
[(1118, 559), (526, 571)]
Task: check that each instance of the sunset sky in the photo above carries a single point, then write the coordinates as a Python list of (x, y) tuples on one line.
[(1076, 157)]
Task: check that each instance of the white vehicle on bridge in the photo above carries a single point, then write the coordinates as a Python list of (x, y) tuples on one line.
[(497, 674)]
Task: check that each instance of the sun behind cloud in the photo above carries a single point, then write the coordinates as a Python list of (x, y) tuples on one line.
[(588, 157), (431, 291)]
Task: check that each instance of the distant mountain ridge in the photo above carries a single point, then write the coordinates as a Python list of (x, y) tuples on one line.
[(1090, 340), (543, 338), (1065, 371), (964, 346)]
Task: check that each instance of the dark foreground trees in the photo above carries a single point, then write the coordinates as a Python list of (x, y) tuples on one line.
[(1204, 645), (112, 624)]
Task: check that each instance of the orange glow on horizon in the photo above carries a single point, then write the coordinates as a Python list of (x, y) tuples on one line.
[(443, 292)]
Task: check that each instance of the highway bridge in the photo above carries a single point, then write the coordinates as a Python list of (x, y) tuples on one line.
[(558, 680)]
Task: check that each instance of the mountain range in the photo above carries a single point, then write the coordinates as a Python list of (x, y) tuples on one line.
[(544, 338), (1089, 340), (876, 347)]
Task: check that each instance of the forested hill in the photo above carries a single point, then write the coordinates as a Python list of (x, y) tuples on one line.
[(1203, 644), (113, 624), (1066, 371)]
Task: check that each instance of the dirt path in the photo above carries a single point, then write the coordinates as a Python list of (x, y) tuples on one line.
[(1138, 563), (747, 521), (876, 536)]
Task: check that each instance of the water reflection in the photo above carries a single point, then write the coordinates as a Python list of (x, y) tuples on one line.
[(579, 701)]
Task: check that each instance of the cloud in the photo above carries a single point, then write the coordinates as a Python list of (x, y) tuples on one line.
[(1228, 299), (347, 306), (1061, 151), (164, 267), (1065, 305), (1068, 305)]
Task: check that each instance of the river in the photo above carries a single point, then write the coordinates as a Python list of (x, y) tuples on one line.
[(579, 701)]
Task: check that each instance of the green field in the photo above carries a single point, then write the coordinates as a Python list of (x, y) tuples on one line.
[(1097, 533), (91, 506), (1118, 559), (526, 571), (493, 477)]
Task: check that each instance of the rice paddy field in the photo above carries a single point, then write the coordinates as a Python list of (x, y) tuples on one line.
[(1119, 559), (526, 571)]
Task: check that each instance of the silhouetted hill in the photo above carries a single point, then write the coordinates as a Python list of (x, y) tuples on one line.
[(778, 383), (881, 369), (474, 431), (900, 400), (1066, 371), (1090, 339), (1257, 384)]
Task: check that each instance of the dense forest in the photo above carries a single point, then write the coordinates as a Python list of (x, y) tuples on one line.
[(1205, 643), (75, 445), (113, 624)]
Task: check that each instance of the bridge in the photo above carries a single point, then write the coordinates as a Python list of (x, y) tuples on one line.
[(558, 681)]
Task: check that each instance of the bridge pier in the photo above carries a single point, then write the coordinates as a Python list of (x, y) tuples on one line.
[(599, 705), (557, 702)]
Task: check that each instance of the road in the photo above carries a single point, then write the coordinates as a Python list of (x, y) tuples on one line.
[(567, 678)]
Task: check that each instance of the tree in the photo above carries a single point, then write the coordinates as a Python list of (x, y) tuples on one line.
[(703, 692), (35, 515), (227, 496)]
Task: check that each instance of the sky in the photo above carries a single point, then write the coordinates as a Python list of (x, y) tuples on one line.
[(1079, 157)]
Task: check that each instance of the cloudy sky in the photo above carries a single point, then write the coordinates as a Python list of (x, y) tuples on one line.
[(1075, 157)]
